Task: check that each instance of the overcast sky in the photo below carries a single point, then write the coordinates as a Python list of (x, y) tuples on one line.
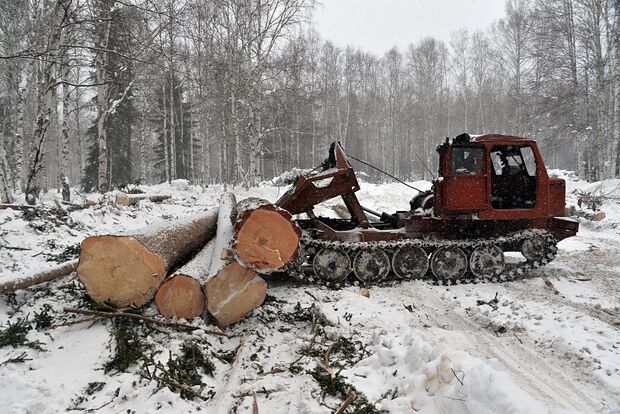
[(378, 25)]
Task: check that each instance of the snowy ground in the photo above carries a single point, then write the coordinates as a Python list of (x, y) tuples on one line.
[(408, 348)]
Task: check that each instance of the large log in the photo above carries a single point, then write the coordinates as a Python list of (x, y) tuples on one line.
[(181, 295), (266, 237), (126, 270), (42, 276), (132, 199)]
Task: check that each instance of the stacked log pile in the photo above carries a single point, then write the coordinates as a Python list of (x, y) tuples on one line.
[(224, 251)]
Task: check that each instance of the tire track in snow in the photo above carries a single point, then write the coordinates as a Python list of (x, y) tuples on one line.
[(544, 380)]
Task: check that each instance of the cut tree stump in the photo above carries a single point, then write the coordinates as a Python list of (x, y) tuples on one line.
[(126, 270), (266, 237), (39, 277), (132, 199), (234, 293)]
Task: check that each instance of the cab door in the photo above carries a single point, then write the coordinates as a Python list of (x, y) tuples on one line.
[(464, 184)]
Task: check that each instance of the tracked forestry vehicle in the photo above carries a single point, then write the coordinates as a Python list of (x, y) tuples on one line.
[(493, 213)]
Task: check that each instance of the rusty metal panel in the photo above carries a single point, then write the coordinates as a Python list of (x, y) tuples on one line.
[(465, 193), (557, 196)]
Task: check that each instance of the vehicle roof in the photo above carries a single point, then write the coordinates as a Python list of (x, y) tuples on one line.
[(500, 137)]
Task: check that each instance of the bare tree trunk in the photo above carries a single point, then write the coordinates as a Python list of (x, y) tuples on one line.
[(18, 144), (78, 125), (64, 135), (142, 141), (239, 174), (190, 174), (103, 176), (6, 195), (165, 134), (616, 109), (173, 142)]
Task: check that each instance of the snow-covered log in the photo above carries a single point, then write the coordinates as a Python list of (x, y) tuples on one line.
[(39, 277), (181, 295), (132, 199), (126, 270), (225, 231), (266, 238), (232, 291)]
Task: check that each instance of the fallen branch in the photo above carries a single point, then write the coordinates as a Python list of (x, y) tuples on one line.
[(346, 403), (254, 404), (39, 277), (167, 380), (457, 377), (328, 367), (551, 286), (492, 303), (20, 207), (518, 339), (6, 246), (142, 317), (18, 359)]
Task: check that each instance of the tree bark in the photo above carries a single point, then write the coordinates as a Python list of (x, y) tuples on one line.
[(6, 195), (126, 270), (36, 278), (103, 177)]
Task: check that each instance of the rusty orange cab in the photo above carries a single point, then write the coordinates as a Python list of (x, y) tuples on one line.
[(501, 183)]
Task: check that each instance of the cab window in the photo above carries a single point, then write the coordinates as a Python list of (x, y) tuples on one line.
[(467, 161)]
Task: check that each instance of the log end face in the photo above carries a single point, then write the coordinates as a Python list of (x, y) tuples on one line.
[(181, 296), (267, 240), (123, 200), (234, 293), (119, 270)]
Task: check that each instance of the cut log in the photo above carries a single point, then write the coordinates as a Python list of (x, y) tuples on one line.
[(266, 238), (126, 270), (132, 199), (42, 276), (181, 295), (594, 216), (234, 293)]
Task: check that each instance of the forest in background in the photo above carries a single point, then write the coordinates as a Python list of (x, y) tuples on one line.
[(102, 93)]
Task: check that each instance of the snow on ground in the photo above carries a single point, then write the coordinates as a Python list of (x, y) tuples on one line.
[(408, 348)]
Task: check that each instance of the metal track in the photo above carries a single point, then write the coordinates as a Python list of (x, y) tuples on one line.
[(543, 241)]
